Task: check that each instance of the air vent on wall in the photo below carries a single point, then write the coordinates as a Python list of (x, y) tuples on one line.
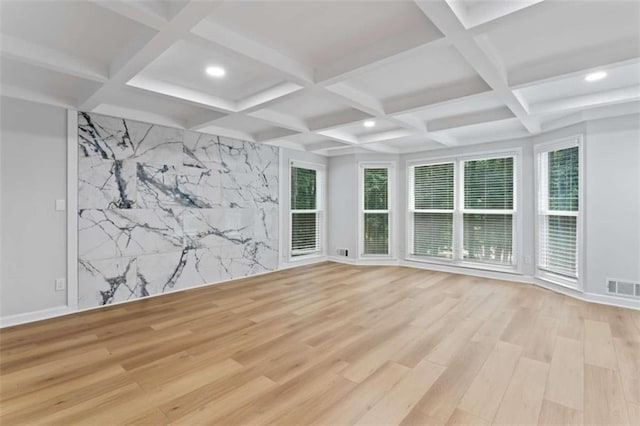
[(623, 288), (342, 252)]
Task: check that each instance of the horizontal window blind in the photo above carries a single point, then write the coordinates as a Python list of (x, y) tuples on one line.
[(433, 187), (558, 200), (433, 234), (488, 238), (488, 184), (432, 210), (304, 230), (305, 216), (488, 211), (376, 211)]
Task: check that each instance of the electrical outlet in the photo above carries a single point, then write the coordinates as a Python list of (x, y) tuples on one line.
[(61, 205), (61, 284), (528, 260)]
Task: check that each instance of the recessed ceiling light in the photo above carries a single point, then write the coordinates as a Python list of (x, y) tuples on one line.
[(369, 123), (216, 71), (595, 76)]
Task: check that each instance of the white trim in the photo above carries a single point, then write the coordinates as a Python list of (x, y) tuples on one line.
[(72, 208), (59, 311), (391, 171), (321, 208), (576, 140), (17, 319), (458, 211)]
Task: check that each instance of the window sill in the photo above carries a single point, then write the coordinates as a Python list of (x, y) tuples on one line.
[(468, 265), (570, 283), (293, 259)]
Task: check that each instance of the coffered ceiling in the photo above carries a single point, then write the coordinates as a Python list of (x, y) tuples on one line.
[(308, 74)]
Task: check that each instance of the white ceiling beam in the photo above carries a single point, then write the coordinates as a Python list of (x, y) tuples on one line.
[(194, 97), (280, 119), (266, 97), (356, 98), (272, 133), (597, 57), (192, 13), (609, 97), (139, 115), (385, 136), (437, 96), (594, 114), (136, 11), (476, 55), (53, 60), (336, 119), (224, 132), (463, 120), (37, 96), (325, 145)]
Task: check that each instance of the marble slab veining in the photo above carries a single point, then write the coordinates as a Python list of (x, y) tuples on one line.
[(163, 209)]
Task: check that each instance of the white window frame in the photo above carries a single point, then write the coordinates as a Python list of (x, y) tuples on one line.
[(541, 188), (459, 210), (391, 167), (319, 211)]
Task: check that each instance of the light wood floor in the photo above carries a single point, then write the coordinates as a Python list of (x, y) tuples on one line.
[(330, 344)]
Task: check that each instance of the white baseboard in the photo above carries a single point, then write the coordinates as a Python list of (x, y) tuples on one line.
[(366, 262), (28, 317), (17, 319), (604, 299)]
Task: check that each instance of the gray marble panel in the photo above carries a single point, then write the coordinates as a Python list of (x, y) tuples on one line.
[(116, 233), (164, 186), (107, 138), (108, 184), (107, 281)]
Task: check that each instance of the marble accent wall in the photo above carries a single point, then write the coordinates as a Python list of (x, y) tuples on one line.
[(162, 209)]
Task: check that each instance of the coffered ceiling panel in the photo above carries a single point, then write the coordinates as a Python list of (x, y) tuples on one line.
[(318, 32), (78, 28), (184, 64)]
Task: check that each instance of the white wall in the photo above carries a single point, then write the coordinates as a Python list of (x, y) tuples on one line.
[(33, 168), (612, 201)]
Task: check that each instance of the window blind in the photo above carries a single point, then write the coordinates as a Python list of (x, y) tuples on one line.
[(433, 210), (376, 211), (488, 211), (305, 216), (558, 211)]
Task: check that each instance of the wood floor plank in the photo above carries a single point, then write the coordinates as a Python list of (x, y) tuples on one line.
[(523, 398), (329, 344), (487, 389), (557, 414), (565, 385), (604, 402), (397, 404), (599, 345)]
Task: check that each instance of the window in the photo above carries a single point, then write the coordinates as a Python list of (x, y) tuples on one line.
[(488, 211), (558, 178), (306, 211), (375, 211), (464, 212), (432, 210)]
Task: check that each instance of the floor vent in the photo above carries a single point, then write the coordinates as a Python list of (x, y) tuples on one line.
[(623, 288), (342, 252)]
